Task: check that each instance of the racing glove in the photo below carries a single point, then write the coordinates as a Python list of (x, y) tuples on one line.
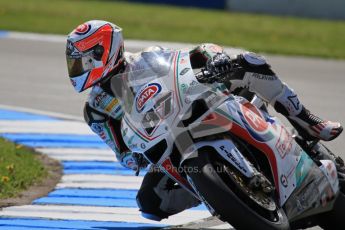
[(134, 161), (218, 67)]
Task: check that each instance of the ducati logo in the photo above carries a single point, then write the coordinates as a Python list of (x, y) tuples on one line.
[(83, 29), (146, 94)]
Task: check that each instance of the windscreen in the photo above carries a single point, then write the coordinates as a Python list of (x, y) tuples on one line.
[(126, 85)]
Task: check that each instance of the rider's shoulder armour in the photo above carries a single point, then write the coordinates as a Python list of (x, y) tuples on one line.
[(254, 59), (105, 103)]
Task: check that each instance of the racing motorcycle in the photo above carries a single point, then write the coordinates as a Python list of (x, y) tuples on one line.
[(245, 165)]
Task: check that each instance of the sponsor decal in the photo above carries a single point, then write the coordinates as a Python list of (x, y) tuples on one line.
[(231, 156), (264, 77), (103, 136), (111, 105), (99, 98), (184, 88), (284, 143), (284, 180), (97, 128), (303, 168), (184, 71), (107, 103), (83, 29), (294, 101), (254, 120), (146, 94)]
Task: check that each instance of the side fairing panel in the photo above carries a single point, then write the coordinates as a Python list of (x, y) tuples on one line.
[(271, 137)]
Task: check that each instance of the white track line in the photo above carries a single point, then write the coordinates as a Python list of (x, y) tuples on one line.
[(70, 154), (46, 127), (98, 185), (97, 214), (72, 151), (80, 157), (41, 112), (99, 181), (100, 178)]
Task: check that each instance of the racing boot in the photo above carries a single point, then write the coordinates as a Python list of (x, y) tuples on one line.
[(319, 151), (308, 125), (311, 128)]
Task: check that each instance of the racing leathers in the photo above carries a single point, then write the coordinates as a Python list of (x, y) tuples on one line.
[(158, 196)]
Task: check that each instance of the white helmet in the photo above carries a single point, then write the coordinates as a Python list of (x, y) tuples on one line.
[(94, 51)]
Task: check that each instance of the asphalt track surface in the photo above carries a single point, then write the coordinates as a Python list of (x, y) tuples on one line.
[(33, 75)]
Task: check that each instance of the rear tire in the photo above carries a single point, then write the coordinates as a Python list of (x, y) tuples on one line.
[(224, 201), (335, 219)]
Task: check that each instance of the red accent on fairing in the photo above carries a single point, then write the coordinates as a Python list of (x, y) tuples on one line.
[(217, 120), (258, 123), (112, 130), (244, 134), (171, 169)]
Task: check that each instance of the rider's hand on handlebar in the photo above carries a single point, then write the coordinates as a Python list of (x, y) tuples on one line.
[(220, 64), (133, 161)]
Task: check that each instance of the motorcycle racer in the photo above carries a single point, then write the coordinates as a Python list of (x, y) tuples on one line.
[(95, 52)]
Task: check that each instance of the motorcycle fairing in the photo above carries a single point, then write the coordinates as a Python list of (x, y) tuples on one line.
[(272, 139), (314, 193), (235, 114)]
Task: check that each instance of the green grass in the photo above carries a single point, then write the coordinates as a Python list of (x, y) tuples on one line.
[(19, 168), (260, 33)]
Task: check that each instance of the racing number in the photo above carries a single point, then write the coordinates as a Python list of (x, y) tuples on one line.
[(161, 110), (164, 105)]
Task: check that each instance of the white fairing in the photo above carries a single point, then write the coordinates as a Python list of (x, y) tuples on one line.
[(229, 152), (330, 171)]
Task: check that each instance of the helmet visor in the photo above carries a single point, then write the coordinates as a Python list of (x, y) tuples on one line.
[(78, 65)]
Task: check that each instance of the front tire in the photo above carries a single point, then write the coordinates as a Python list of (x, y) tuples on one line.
[(226, 203)]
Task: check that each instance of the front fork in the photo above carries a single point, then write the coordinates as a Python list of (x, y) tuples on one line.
[(228, 151)]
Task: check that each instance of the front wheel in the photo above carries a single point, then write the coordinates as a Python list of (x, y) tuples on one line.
[(229, 201)]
